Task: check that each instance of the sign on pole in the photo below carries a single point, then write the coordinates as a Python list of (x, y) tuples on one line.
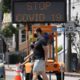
[(70, 27), (38, 11)]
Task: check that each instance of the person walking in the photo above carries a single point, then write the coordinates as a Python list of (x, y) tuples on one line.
[(39, 55)]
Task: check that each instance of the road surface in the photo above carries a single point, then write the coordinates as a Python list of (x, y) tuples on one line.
[(11, 74)]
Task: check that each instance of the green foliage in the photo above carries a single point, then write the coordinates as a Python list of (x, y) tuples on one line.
[(9, 30), (59, 48), (6, 6)]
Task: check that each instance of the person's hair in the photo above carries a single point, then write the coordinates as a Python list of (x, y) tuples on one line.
[(38, 30)]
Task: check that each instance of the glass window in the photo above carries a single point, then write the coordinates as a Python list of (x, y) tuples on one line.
[(23, 35)]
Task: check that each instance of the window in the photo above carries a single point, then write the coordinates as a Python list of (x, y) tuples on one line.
[(23, 35)]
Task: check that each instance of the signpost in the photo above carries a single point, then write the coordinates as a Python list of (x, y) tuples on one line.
[(70, 27), (39, 11)]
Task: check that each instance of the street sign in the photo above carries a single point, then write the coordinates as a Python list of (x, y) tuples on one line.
[(38, 11), (70, 27)]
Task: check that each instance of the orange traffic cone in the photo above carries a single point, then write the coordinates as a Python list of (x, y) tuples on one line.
[(18, 76)]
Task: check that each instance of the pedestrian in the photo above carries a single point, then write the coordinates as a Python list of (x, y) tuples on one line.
[(32, 61), (40, 56)]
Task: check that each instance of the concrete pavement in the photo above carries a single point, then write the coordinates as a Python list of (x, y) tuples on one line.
[(10, 73), (13, 68), (72, 74)]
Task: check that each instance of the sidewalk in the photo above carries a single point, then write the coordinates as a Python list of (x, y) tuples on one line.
[(72, 74)]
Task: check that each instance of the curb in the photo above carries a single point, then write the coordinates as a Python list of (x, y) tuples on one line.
[(72, 74)]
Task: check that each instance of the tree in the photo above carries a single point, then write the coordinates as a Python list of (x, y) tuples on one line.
[(6, 6), (9, 30)]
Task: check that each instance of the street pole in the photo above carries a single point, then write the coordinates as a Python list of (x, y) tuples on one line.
[(17, 39), (69, 42), (69, 10)]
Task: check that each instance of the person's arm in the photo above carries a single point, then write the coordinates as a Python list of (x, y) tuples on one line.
[(26, 58), (24, 62), (31, 53)]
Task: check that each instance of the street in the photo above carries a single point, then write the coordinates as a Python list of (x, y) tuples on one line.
[(72, 78), (10, 75)]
